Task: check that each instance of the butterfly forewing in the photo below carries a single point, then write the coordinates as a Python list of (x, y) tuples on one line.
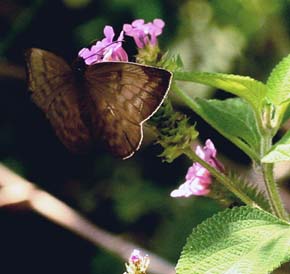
[(124, 95), (53, 89), (111, 100)]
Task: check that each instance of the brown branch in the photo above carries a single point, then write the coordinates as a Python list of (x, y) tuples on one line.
[(15, 189), (9, 70)]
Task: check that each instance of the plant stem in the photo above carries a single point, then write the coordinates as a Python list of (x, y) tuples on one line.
[(191, 103), (222, 179), (15, 189), (271, 186)]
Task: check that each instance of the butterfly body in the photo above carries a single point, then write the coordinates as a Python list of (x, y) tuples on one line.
[(108, 99)]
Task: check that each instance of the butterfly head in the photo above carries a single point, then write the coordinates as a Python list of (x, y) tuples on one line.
[(79, 67)]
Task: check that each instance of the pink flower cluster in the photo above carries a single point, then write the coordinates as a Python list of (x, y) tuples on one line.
[(198, 178), (109, 50), (105, 50), (144, 34)]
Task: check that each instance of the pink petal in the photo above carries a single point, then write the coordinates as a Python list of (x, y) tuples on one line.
[(138, 23), (202, 192), (127, 28), (182, 191), (159, 23), (191, 172), (200, 152), (109, 33), (84, 53), (210, 148), (120, 55)]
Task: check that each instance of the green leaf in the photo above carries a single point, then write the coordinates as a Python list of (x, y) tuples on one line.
[(253, 91), (278, 91), (279, 82), (286, 115), (239, 240), (232, 117), (280, 151)]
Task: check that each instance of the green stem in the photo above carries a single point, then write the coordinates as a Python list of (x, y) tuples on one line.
[(222, 179), (271, 186), (267, 132), (191, 103)]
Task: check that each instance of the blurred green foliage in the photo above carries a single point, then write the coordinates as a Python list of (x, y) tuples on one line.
[(130, 197)]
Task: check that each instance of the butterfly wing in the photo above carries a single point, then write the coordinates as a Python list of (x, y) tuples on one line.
[(124, 95), (53, 88)]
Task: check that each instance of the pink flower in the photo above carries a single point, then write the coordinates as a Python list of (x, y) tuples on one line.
[(144, 34), (105, 50), (198, 178), (208, 153), (138, 263)]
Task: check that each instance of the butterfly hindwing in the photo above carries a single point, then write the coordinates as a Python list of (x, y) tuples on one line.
[(53, 89), (124, 96)]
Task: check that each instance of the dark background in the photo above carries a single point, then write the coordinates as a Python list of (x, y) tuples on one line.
[(130, 198)]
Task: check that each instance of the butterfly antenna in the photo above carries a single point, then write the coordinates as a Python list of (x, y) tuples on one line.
[(102, 49)]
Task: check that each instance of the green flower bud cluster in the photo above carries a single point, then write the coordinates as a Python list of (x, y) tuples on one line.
[(174, 131)]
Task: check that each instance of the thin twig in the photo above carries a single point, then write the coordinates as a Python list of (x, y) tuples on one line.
[(15, 189), (12, 71)]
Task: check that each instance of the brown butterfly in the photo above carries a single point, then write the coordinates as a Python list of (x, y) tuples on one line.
[(107, 99)]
